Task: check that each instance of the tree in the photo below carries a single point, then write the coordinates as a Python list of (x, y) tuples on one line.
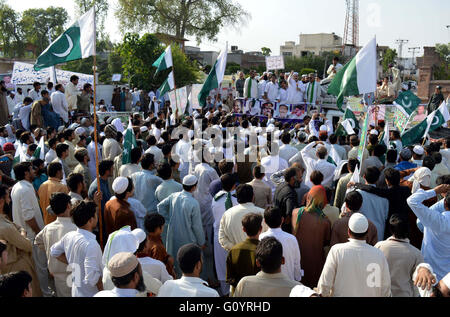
[(37, 22), (232, 68), (442, 71), (388, 58), (266, 51), (138, 53), (199, 18), (11, 32), (101, 11)]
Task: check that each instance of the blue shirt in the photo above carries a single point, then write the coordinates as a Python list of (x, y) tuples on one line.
[(184, 222), (376, 209), (39, 180), (436, 236), (403, 166), (145, 184), (104, 188)]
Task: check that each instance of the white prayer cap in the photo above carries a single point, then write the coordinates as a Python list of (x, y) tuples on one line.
[(323, 128), (446, 280), (79, 131), (358, 223), (118, 124), (73, 126), (418, 150), (120, 185), (122, 240), (301, 291), (304, 76), (139, 234), (190, 180), (295, 74), (374, 132), (143, 129), (83, 121), (61, 128), (102, 134)]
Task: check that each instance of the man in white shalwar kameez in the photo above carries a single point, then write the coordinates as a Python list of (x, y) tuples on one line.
[(296, 89), (224, 200), (205, 175)]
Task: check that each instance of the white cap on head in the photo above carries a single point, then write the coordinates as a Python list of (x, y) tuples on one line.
[(139, 234), (418, 150), (143, 129), (79, 131), (323, 128), (374, 132), (295, 74), (120, 185), (358, 223), (190, 180), (446, 280)]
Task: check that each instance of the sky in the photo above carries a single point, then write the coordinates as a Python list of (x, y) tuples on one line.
[(422, 23)]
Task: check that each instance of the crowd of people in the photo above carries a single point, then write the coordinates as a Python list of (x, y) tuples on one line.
[(212, 204)]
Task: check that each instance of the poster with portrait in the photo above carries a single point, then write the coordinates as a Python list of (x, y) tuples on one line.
[(182, 99), (419, 115), (400, 118), (376, 112), (193, 97), (173, 100), (267, 109), (238, 105), (356, 105), (282, 111), (252, 107), (298, 111)]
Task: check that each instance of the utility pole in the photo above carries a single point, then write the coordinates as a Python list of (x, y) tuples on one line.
[(400, 43)]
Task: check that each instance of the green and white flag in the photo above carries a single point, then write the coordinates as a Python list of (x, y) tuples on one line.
[(129, 143), (412, 136), (168, 85), (350, 116), (77, 42), (164, 61), (438, 118), (359, 76), (215, 77), (19, 156), (408, 101), (362, 143), (40, 150)]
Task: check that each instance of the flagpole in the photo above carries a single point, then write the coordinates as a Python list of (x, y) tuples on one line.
[(100, 218), (174, 83)]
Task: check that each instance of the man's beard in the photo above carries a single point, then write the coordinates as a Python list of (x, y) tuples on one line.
[(140, 287)]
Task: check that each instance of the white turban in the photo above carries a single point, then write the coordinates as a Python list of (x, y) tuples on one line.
[(122, 240), (118, 124), (421, 177)]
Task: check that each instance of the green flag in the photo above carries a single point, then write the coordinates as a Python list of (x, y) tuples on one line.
[(340, 131), (412, 136), (359, 76), (408, 101), (128, 144), (214, 78), (440, 117), (362, 143), (168, 85), (164, 61), (39, 153), (76, 42)]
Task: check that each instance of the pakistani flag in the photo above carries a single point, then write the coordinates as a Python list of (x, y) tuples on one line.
[(39, 153), (359, 76), (20, 155), (408, 101), (350, 117), (334, 157), (438, 118), (412, 136), (164, 61), (76, 43), (168, 85), (215, 77), (362, 143), (128, 144)]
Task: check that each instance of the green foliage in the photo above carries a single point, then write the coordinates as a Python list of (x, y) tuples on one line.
[(11, 37), (200, 18), (266, 51), (442, 71), (306, 71), (389, 58), (232, 68), (139, 53), (37, 22)]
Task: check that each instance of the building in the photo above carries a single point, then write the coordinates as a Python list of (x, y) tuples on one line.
[(247, 61), (170, 39), (426, 65), (312, 44)]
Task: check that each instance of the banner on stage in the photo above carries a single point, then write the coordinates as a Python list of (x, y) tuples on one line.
[(24, 74), (193, 97), (274, 62)]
